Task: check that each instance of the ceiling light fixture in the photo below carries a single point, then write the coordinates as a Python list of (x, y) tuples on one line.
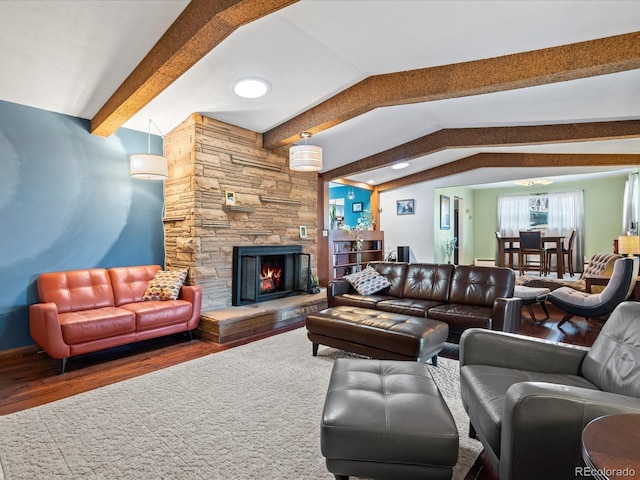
[(533, 181), (147, 166), (252, 87), (305, 158), (400, 166)]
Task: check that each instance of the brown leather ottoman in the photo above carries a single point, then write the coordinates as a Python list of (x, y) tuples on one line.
[(385, 419), (377, 334)]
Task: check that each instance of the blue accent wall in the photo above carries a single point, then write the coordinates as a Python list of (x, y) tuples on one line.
[(361, 195), (67, 202)]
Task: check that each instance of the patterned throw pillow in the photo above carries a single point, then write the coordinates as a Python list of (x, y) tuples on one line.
[(368, 281), (165, 285)]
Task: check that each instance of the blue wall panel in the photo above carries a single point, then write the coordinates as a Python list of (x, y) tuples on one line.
[(67, 202), (361, 195)]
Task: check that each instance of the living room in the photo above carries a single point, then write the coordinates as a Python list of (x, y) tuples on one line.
[(69, 202)]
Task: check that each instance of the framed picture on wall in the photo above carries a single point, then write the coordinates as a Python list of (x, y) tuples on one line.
[(445, 213), (303, 231), (229, 198), (356, 207), (405, 207)]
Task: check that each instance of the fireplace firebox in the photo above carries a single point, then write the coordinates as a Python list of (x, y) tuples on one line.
[(267, 272)]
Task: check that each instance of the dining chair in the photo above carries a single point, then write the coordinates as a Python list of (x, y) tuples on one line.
[(566, 251), (531, 245), (509, 251)]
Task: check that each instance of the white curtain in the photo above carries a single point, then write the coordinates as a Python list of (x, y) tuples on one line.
[(566, 213), (513, 214), (630, 204)]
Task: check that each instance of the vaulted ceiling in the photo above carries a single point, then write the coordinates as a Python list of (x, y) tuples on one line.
[(468, 92)]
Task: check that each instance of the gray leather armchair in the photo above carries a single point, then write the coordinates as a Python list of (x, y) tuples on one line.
[(528, 400)]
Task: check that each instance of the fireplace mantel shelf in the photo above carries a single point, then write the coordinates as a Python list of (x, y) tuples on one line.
[(254, 232), (238, 208), (286, 201)]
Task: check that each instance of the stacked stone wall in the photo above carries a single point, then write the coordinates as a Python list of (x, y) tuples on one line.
[(208, 158)]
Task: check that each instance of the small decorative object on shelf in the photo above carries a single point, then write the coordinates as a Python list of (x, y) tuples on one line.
[(315, 285), (352, 250)]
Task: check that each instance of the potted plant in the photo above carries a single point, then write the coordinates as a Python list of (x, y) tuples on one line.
[(366, 220), (448, 247), (333, 215)]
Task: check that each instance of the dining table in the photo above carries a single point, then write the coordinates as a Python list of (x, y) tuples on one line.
[(557, 240)]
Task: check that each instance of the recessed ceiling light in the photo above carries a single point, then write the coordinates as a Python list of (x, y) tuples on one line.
[(400, 166), (251, 87), (370, 182)]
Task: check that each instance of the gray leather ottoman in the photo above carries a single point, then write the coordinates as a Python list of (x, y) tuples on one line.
[(386, 419), (377, 334)]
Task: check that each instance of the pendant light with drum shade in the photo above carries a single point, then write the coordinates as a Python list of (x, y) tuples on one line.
[(146, 166), (305, 158)]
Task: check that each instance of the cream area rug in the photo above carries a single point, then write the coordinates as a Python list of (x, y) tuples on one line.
[(251, 412)]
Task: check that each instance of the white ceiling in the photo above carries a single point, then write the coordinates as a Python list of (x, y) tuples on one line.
[(70, 56)]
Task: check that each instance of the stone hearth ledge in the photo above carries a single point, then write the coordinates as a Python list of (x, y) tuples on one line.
[(224, 325)]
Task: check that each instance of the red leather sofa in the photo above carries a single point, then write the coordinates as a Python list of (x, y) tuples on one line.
[(82, 311)]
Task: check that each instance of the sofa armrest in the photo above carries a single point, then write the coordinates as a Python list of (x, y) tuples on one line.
[(192, 294), (509, 350), (507, 314), (335, 288), (548, 419), (46, 331)]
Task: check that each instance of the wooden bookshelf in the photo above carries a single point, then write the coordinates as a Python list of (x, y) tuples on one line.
[(343, 258)]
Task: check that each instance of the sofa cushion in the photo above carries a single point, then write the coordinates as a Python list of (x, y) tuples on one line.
[(368, 281), (357, 300), (395, 273), (130, 283), (481, 285), (76, 290), (485, 388), (165, 285), (428, 282), (407, 306), (461, 317), (95, 324), (158, 313)]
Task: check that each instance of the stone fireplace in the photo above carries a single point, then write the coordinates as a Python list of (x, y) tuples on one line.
[(262, 273), (207, 160)]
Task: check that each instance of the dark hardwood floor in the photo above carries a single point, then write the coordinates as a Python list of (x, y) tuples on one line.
[(29, 378)]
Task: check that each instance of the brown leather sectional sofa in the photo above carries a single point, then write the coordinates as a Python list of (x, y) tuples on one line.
[(461, 296), (82, 311)]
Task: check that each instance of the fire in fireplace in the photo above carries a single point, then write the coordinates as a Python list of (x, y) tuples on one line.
[(271, 272), (267, 272)]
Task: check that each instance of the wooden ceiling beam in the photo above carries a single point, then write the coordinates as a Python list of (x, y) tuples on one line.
[(201, 26), (514, 160), (528, 69), (489, 137)]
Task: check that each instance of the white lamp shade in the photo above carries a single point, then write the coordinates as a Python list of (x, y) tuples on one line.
[(629, 245), (305, 158), (148, 167)]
